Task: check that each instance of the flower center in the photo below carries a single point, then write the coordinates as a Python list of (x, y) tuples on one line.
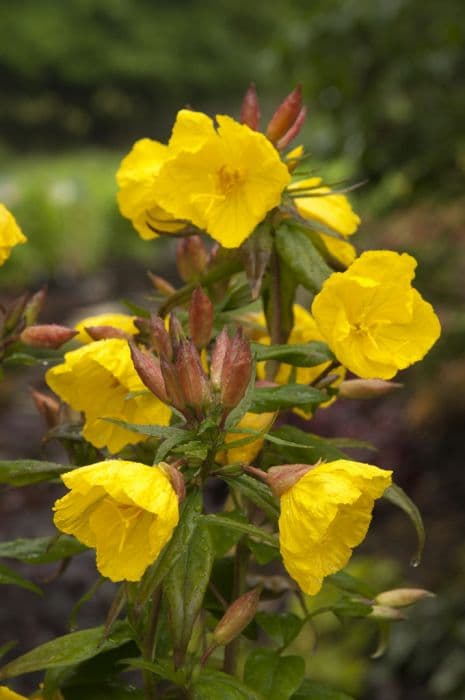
[(229, 179)]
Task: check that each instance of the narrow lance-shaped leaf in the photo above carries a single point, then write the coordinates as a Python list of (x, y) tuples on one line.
[(41, 550), (7, 576), (268, 399), (309, 354), (21, 472), (399, 498), (301, 256)]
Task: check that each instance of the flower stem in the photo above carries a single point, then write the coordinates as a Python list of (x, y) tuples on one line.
[(231, 652)]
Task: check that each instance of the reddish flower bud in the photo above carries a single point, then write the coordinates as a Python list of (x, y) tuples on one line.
[(402, 597), (48, 335), (176, 333), (148, 369), (282, 477), (34, 306), (293, 131), (285, 115), (172, 385), (236, 371), (191, 258), (105, 332), (220, 349), (176, 478), (159, 338), (366, 388), (237, 616), (200, 318), (250, 110), (165, 288), (48, 407), (191, 376)]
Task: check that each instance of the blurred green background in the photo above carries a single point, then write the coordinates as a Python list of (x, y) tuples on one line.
[(384, 81)]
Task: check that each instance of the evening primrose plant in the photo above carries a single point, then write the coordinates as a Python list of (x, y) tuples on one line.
[(215, 511)]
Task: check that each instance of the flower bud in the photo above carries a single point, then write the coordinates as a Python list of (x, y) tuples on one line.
[(236, 371), (176, 333), (402, 597), (48, 407), (285, 115), (221, 348), (293, 131), (173, 388), (148, 369), (191, 258), (281, 478), (105, 332), (34, 306), (200, 318), (15, 312), (176, 478), (165, 288), (48, 335), (250, 110), (383, 612), (159, 338), (366, 388), (237, 616), (191, 376)]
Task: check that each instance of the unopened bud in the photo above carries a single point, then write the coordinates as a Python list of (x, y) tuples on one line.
[(191, 258), (34, 306), (176, 478), (48, 407), (200, 318), (293, 131), (383, 612), (176, 333), (15, 312), (165, 288), (236, 371), (250, 110), (159, 338), (106, 332), (220, 349), (285, 115), (367, 388), (237, 616), (283, 477), (173, 388), (148, 369), (48, 335), (402, 597), (191, 376)]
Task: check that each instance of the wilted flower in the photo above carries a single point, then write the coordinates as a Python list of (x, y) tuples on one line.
[(10, 233), (324, 515), (122, 322), (125, 510), (372, 318), (100, 380)]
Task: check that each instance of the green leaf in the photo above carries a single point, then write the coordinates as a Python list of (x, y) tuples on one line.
[(185, 586), (21, 472), (299, 354), (67, 650), (263, 553), (5, 648), (104, 692), (346, 606), (7, 576), (256, 492), (345, 582), (345, 443), (223, 539), (42, 550), (215, 685), (162, 668), (394, 494), (157, 431), (309, 690), (268, 399), (281, 627), (244, 528), (276, 677), (300, 255), (175, 548), (307, 449)]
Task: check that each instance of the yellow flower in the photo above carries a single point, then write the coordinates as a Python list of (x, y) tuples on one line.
[(324, 515), (223, 180), (372, 318), (330, 209), (121, 321), (97, 379), (304, 330), (10, 233), (7, 694), (125, 510), (245, 454), (137, 201)]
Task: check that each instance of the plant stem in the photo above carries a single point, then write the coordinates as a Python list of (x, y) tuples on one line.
[(231, 652)]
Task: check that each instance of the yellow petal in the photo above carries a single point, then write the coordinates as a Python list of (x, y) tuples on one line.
[(10, 233), (7, 694), (121, 321), (326, 207)]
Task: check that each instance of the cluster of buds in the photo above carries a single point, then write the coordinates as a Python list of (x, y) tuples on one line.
[(175, 368), (286, 122)]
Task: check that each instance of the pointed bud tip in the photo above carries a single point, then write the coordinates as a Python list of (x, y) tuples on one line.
[(48, 335)]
